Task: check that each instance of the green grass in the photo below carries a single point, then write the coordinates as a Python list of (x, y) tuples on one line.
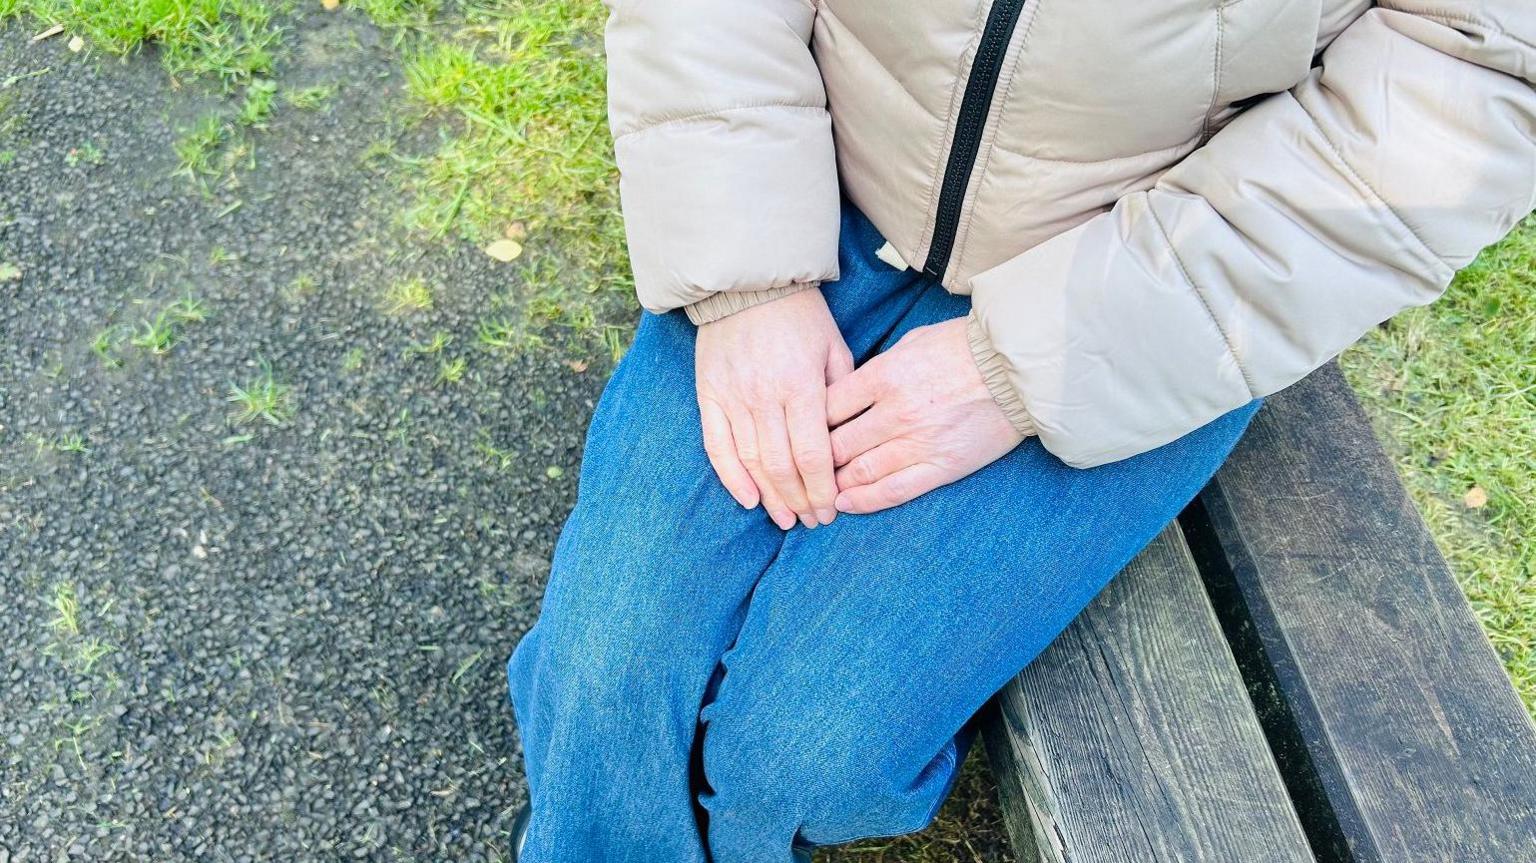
[(257, 107), (232, 42), (81, 652), (1452, 391), (499, 457), (399, 15), (451, 371), (228, 40), (309, 98), (187, 310), (411, 295), (499, 334), (519, 87), (70, 443), (432, 347), (354, 360), (66, 608), (213, 144), (516, 85), (105, 346), (263, 398), (301, 287), (87, 154), (156, 334), (197, 146)]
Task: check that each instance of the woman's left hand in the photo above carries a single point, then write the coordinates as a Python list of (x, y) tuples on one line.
[(912, 419)]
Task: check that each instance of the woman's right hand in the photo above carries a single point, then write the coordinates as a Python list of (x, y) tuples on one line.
[(762, 383)]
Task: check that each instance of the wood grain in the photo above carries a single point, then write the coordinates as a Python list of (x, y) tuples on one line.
[(1132, 738), (1400, 735)]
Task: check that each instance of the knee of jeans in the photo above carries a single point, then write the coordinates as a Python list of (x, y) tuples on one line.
[(600, 659), (826, 773)]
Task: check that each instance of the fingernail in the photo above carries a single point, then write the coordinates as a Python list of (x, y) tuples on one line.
[(810, 522), (785, 520), (826, 515), (842, 503)]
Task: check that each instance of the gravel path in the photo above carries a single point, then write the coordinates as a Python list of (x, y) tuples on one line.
[(233, 642)]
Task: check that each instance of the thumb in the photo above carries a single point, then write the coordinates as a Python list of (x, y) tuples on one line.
[(839, 361)]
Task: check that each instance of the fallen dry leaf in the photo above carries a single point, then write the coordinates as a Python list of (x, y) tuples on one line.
[(1475, 498), (577, 366), (328, 5), (516, 231), (49, 33), (504, 250), (76, 44)]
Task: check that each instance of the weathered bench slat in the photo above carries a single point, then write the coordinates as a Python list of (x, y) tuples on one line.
[(1132, 739), (1389, 713)]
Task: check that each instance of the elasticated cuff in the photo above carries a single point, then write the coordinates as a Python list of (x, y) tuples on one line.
[(994, 371), (727, 303)]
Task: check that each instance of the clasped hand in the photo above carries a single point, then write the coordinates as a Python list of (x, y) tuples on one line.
[(789, 424)]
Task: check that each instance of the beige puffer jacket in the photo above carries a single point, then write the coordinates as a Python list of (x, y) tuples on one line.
[(1160, 209)]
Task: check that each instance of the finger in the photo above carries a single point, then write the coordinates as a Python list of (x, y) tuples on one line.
[(720, 446), (863, 433), (744, 431), (779, 463), (811, 447), (876, 464), (851, 394), (839, 362), (891, 490)]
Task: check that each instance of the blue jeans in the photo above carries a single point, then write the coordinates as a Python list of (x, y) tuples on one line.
[(699, 679)]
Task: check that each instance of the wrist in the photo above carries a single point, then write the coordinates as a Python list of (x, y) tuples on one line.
[(726, 303), (994, 373)]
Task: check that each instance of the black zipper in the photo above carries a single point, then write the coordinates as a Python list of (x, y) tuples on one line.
[(974, 106)]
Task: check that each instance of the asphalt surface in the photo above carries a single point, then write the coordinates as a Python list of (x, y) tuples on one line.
[(288, 641)]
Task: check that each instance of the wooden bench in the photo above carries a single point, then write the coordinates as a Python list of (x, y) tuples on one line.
[(1288, 673)]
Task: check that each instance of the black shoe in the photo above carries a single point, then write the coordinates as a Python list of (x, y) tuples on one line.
[(520, 832)]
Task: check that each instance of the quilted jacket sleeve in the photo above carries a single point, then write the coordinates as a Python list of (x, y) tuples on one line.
[(724, 145), (1310, 218)]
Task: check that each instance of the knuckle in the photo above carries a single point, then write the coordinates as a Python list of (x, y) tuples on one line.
[(809, 453), (861, 472), (779, 468)]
